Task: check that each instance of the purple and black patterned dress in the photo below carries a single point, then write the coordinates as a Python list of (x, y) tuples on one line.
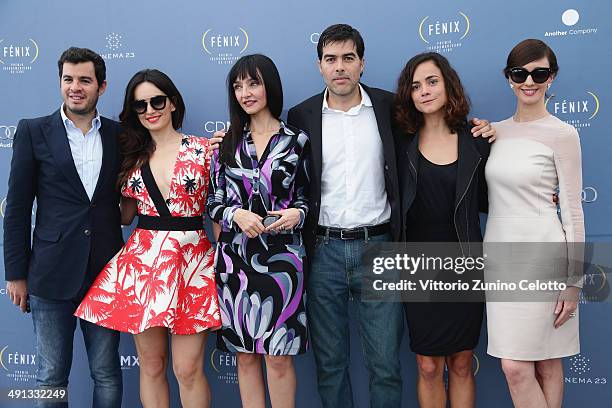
[(260, 281)]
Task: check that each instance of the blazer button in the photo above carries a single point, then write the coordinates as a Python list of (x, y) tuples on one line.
[(87, 232), (386, 167)]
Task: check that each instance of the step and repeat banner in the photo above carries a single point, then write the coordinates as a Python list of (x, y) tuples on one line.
[(196, 42)]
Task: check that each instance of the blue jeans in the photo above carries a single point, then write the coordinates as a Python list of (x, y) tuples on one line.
[(54, 327), (333, 278)]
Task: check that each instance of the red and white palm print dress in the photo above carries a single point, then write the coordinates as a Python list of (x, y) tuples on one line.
[(161, 278)]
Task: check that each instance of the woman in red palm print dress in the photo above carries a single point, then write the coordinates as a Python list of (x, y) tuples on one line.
[(162, 280)]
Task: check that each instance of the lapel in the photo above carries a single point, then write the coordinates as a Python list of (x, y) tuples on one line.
[(57, 140), (413, 155), (315, 118), (109, 147), (410, 185), (468, 160), (382, 117)]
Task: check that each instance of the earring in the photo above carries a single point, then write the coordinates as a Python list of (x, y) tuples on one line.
[(511, 85), (549, 84)]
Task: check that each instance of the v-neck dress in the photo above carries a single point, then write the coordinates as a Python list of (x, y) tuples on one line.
[(164, 275), (260, 281)]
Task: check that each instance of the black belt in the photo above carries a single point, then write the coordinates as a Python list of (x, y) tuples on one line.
[(165, 223), (353, 233)]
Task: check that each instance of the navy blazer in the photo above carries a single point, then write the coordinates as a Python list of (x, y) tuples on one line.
[(74, 237), (307, 116)]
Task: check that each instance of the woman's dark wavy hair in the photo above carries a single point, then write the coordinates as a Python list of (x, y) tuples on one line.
[(262, 68), (135, 142), (457, 105)]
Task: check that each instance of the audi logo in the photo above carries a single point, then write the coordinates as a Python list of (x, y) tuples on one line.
[(7, 132)]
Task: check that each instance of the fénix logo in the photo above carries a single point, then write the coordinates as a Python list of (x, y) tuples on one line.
[(18, 366), (225, 47), (570, 18), (8, 358), (114, 45), (577, 110), (224, 364), (476, 364), (444, 33), (18, 56)]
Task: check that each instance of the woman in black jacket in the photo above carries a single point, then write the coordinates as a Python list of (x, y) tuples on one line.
[(443, 189)]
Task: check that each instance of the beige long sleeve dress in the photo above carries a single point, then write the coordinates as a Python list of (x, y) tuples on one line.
[(528, 164)]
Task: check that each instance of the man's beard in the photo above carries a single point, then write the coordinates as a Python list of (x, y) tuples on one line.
[(85, 110)]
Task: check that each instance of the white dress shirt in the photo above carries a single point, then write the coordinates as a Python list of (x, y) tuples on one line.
[(86, 151), (352, 180)]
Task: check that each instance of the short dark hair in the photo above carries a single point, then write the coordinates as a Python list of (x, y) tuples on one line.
[(262, 68), (457, 105), (75, 55), (530, 50), (135, 141), (340, 33)]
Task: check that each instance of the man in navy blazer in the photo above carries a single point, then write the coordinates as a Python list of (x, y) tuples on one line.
[(68, 162)]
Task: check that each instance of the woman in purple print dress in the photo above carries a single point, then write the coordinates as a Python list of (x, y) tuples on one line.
[(258, 195)]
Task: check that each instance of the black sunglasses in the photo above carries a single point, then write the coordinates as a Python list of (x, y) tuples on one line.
[(539, 75), (157, 102)]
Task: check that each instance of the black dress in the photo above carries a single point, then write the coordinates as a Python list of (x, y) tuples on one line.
[(438, 328)]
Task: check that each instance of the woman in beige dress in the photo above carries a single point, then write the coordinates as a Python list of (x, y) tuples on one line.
[(535, 155)]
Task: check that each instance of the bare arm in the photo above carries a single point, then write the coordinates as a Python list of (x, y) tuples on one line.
[(128, 210), (216, 231)]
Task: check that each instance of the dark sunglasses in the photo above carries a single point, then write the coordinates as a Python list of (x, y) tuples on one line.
[(157, 102), (539, 75)]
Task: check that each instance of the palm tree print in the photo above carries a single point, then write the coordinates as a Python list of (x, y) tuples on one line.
[(161, 278), (190, 184), (135, 185)]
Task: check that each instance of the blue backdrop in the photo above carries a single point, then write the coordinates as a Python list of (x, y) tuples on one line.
[(195, 42)]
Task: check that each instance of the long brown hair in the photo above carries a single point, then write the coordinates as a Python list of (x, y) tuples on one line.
[(457, 105), (135, 142)]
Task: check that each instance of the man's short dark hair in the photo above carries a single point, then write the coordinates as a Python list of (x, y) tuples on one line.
[(75, 55), (340, 33)]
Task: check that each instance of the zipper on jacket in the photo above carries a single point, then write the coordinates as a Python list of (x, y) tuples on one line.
[(459, 202)]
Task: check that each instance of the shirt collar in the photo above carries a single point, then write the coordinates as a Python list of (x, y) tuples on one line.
[(95, 122), (365, 101)]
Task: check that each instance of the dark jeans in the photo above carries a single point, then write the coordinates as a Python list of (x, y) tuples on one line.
[(54, 326), (333, 278)]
